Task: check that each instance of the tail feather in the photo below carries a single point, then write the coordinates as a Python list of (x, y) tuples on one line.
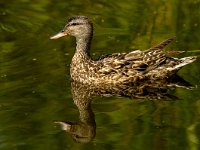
[(155, 55), (183, 61), (163, 44)]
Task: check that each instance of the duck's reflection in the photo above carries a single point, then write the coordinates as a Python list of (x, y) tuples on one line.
[(85, 130)]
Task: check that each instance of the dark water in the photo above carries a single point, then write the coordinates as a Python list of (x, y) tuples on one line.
[(35, 83)]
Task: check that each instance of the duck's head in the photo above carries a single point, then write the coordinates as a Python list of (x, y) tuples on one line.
[(78, 26)]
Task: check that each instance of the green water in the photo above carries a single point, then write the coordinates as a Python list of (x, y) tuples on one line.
[(35, 82)]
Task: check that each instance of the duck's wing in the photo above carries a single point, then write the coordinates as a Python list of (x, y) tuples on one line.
[(152, 62), (134, 62), (155, 56), (121, 62)]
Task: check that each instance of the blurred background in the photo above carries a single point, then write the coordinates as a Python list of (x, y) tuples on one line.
[(35, 86)]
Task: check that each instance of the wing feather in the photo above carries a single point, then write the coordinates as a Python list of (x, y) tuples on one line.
[(136, 60)]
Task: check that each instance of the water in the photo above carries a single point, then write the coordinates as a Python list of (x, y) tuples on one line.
[(35, 86)]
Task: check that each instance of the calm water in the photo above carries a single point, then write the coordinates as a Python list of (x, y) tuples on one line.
[(35, 86)]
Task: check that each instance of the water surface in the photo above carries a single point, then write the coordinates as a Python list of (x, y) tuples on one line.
[(35, 85)]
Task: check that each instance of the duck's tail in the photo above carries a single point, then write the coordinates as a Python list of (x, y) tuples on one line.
[(182, 62)]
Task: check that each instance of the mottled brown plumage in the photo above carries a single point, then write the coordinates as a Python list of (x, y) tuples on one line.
[(117, 68), (84, 130)]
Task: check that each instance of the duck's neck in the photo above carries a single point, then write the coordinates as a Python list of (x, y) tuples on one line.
[(81, 59), (83, 47)]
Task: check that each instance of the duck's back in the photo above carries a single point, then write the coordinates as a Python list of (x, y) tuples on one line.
[(137, 65), (123, 68)]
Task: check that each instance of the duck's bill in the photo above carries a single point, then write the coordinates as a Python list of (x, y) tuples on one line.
[(58, 35)]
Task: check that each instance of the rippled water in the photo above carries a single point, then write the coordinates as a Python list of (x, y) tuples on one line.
[(35, 83)]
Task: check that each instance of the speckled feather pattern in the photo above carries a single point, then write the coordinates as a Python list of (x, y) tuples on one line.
[(118, 68), (122, 68)]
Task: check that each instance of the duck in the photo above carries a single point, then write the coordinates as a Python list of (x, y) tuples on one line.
[(117, 68)]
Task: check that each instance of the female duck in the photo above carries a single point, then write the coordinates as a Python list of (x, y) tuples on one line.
[(117, 68)]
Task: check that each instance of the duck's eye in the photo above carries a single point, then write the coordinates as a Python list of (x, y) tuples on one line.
[(73, 24), (62, 30)]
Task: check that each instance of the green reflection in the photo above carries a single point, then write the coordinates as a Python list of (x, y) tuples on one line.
[(34, 74)]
